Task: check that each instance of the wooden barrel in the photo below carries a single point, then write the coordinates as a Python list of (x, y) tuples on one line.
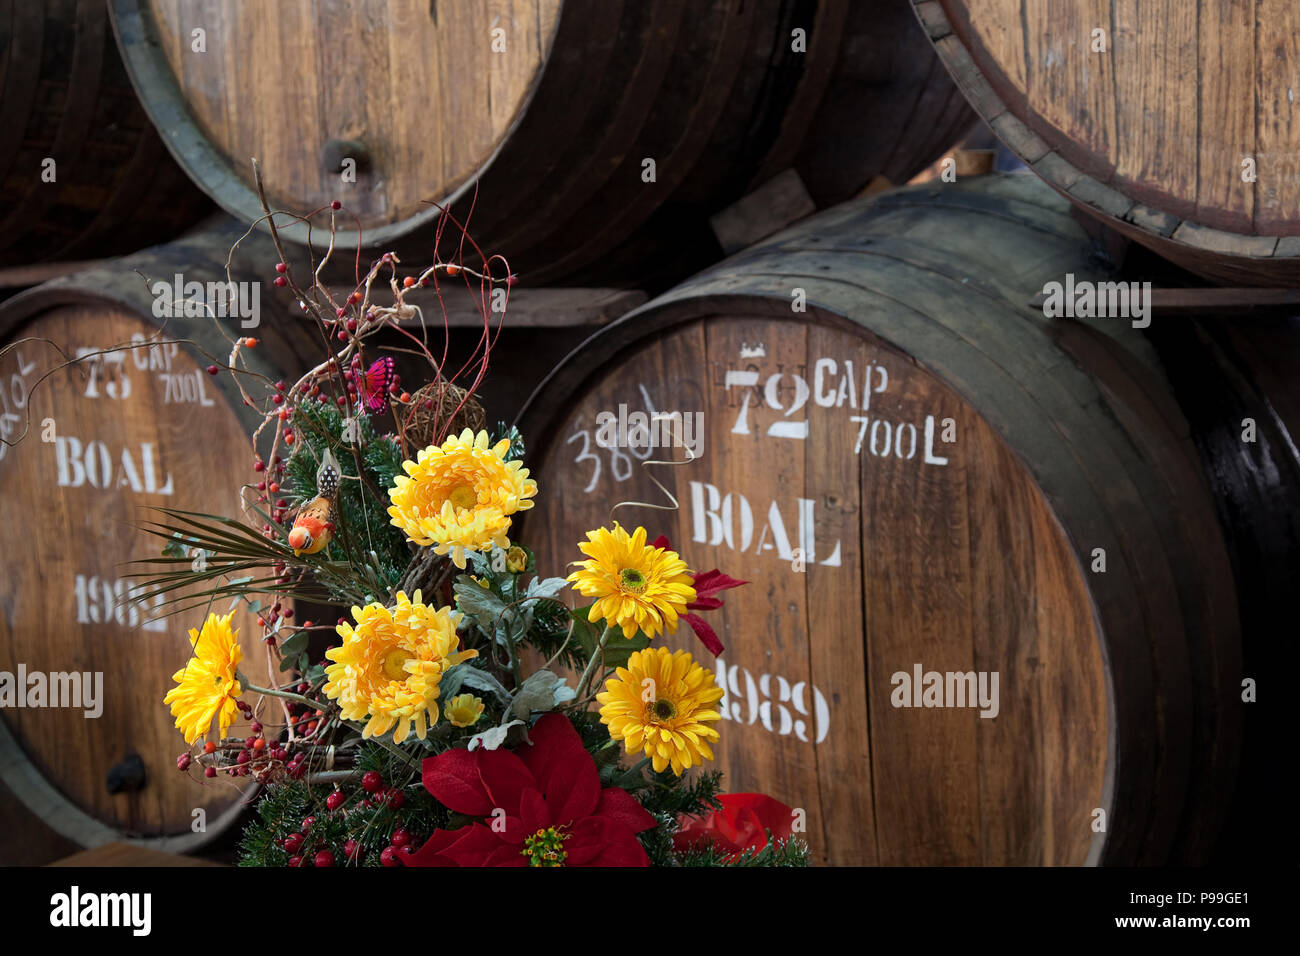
[(83, 174), (1172, 122), (921, 475), (542, 116), (105, 443)]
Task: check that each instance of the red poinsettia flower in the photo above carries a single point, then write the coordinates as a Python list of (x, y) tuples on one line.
[(707, 585), (740, 825), (543, 805)]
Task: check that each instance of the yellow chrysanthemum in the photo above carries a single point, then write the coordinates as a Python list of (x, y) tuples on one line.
[(390, 665), (208, 685), (459, 496), (638, 586), (662, 704), (464, 710)]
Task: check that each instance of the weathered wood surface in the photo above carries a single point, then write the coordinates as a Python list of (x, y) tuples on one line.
[(768, 209), (1173, 120), (540, 114), (975, 555), (82, 171), (547, 308)]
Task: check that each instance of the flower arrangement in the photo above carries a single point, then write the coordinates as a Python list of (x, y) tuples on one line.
[(465, 710)]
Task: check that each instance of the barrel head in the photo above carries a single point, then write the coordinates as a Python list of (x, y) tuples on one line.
[(891, 540)]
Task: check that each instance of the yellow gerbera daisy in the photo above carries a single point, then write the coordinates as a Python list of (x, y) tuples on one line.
[(662, 704), (208, 685), (638, 586), (459, 496), (390, 665)]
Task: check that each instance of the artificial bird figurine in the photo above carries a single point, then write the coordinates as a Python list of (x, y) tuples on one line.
[(314, 526)]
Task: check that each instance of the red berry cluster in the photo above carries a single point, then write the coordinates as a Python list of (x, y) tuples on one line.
[(306, 720), (295, 843), (267, 619), (252, 755), (271, 484), (306, 850), (296, 768), (255, 755)]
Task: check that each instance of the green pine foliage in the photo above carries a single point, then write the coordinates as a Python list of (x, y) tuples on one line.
[(667, 796), (516, 449), (549, 634), (690, 794), (789, 852), (658, 842), (281, 808), (365, 538), (365, 818)]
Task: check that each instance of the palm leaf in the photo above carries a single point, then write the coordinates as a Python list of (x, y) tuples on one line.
[(231, 547)]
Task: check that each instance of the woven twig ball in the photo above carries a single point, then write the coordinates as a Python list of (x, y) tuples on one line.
[(427, 422)]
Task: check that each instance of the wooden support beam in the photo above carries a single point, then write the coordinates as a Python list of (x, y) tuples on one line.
[(527, 308), (771, 207)]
